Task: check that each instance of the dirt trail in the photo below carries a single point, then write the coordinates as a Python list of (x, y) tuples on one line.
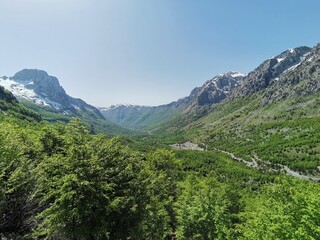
[(258, 163), (255, 163)]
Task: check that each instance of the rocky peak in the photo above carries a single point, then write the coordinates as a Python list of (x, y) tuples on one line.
[(27, 75), (271, 69), (39, 87), (301, 79), (43, 85), (218, 88)]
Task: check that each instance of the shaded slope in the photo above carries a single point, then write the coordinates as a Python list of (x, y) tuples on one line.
[(9, 106)]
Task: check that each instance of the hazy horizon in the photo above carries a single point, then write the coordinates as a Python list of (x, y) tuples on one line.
[(148, 52)]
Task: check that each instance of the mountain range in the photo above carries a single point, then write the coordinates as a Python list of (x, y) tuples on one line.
[(200, 100), (292, 73), (223, 87), (270, 115), (37, 90)]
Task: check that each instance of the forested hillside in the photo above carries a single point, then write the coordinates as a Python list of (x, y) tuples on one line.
[(277, 123), (61, 182)]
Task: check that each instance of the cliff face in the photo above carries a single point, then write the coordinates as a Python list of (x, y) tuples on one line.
[(270, 70), (42, 89)]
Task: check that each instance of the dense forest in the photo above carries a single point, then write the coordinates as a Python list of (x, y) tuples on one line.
[(61, 181)]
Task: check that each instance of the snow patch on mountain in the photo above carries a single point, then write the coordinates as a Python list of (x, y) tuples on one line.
[(118, 106), (21, 91), (302, 58), (236, 74)]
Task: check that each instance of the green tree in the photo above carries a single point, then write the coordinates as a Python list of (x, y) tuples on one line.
[(288, 209), (18, 156), (162, 174), (89, 189), (204, 210)]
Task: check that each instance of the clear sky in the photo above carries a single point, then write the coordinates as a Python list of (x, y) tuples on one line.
[(148, 52)]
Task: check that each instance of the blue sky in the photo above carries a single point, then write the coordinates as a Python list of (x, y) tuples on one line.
[(148, 52)]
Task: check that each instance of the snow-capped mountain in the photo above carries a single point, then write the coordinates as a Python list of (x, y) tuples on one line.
[(40, 88), (23, 91), (120, 105), (294, 72)]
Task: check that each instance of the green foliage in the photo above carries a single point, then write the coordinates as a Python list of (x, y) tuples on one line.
[(285, 132), (162, 176), (222, 167), (62, 182), (205, 210), (288, 209), (88, 185), (18, 157)]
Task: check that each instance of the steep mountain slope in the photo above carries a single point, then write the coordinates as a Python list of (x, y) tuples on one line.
[(301, 80), (200, 100), (277, 123), (216, 90), (37, 86), (9, 106), (6, 96), (270, 70), (42, 93)]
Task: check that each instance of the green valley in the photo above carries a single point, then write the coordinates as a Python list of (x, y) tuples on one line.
[(64, 174)]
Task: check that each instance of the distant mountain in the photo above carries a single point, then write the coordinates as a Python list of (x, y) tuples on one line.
[(141, 117), (201, 98), (292, 73), (215, 90), (38, 87), (42, 93)]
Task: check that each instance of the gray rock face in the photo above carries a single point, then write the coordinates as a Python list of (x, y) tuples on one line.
[(300, 80), (43, 85), (270, 70), (218, 88), (49, 87)]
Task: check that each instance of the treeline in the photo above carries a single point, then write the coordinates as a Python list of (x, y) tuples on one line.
[(60, 182)]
